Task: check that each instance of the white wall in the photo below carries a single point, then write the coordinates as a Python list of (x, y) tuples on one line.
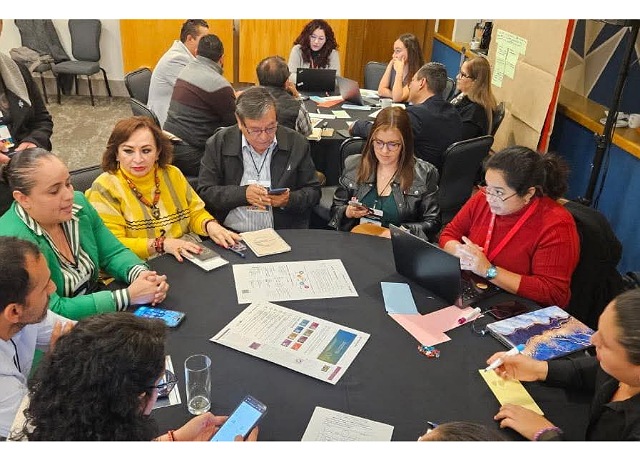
[(110, 45)]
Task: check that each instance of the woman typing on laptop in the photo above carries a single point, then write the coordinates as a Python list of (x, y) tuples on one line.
[(514, 233), (315, 48)]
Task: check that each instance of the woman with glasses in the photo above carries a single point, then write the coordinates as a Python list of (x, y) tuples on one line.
[(101, 382), (514, 233), (315, 48), (612, 376), (475, 101), (387, 184), (146, 202), (405, 61)]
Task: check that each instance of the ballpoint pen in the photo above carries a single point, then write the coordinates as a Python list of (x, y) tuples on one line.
[(469, 316), (498, 362), (237, 251)]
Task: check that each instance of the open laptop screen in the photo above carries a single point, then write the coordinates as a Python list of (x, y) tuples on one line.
[(316, 80)]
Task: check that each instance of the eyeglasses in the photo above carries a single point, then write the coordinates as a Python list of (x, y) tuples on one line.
[(465, 75), (499, 194), (255, 132), (315, 38), (391, 146), (166, 385)]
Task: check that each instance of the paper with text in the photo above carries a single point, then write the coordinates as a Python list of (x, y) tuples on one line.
[(305, 343), (509, 391), (311, 279), (331, 425)]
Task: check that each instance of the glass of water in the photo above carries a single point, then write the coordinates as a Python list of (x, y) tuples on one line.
[(197, 376)]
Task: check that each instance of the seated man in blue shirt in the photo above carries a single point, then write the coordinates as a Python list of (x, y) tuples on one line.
[(26, 323), (435, 126), (241, 163)]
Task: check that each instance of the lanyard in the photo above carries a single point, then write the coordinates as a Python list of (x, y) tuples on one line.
[(509, 235), (259, 171)]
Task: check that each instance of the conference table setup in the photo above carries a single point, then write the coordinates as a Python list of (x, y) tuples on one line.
[(388, 381)]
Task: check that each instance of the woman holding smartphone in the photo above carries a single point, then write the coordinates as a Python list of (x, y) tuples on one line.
[(387, 184), (146, 202)]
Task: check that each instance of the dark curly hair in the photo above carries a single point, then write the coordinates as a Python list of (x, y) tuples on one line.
[(123, 130), (303, 40), (88, 388)]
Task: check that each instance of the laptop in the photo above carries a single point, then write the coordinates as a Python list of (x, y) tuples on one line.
[(350, 92), (436, 270), (316, 80)]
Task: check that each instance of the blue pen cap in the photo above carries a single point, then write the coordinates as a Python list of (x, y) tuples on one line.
[(520, 348)]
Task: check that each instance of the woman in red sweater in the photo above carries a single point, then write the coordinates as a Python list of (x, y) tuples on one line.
[(514, 233)]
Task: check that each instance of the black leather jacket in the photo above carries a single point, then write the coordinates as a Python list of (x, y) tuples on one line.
[(418, 208)]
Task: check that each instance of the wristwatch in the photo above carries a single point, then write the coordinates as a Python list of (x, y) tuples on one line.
[(492, 272)]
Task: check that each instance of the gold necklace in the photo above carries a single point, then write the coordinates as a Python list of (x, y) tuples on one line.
[(155, 211)]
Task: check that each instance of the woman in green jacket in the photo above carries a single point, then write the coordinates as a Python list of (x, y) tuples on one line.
[(73, 239)]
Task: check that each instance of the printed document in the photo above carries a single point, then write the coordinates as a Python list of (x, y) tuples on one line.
[(331, 425), (307, 344), (311, 279)]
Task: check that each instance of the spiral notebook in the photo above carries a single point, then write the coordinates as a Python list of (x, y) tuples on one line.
[(547, 333)]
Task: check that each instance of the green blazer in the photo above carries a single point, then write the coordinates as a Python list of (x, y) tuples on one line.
[(104, 249)]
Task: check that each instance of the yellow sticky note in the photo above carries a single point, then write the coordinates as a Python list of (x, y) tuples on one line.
[(509, 391)]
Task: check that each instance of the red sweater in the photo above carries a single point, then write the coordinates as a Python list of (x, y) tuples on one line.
[(544, 251)]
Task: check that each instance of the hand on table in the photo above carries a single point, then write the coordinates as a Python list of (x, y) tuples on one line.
[(524, 421), (222, 236), (179, 248), (148, 288)]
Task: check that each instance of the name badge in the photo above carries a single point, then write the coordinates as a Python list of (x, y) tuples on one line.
[(264, 183), (5, 137)]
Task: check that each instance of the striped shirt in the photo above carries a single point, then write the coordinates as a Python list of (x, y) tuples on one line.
[(77, 275), (257, 169)]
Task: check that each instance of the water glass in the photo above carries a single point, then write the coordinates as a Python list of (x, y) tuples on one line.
[(197, 376)]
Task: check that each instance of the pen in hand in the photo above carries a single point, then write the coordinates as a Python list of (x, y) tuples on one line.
[(498, 362)]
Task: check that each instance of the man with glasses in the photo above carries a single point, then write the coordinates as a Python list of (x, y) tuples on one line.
[(166, 71), (257, 174), (202, 101), (436, 124), (26, 323)]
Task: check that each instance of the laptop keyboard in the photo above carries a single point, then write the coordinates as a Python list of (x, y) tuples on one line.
[(472, 293)]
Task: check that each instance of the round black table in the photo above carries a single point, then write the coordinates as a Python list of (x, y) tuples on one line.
[(389, 381)]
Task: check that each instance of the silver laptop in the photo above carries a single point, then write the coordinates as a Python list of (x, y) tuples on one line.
[(316, 80), (350, 92), (436, 270)]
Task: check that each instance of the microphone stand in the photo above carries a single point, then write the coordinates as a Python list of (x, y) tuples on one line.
[(604, 140)]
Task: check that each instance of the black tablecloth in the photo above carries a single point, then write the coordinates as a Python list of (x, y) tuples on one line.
[(389, 381)]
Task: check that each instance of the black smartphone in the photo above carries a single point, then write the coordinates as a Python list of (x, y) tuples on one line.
[(206, 254), (277, 191), (507, 309), (171, 317), (242, 420), (357, 204)]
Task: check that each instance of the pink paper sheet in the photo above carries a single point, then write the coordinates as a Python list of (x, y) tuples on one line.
[(430, 329)]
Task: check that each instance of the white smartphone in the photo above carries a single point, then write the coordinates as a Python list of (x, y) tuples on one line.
[(242, 420)]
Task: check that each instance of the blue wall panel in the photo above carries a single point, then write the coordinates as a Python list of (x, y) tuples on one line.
[(447, 56)]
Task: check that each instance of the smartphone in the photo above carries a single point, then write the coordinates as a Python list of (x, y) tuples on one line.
[(206, 254), (242, 420), (239, 248), (357, 204), (171, 317), (507, 309), (277, 191)]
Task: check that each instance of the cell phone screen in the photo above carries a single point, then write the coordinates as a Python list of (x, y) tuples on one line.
[(171, 317), (276, 191), (242, 420)]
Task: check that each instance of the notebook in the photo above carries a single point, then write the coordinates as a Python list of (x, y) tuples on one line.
[(437, 270), (547, 333), (316, 80), (265, 242), (350, 92)]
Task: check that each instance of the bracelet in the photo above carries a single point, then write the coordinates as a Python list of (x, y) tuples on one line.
[(170, 435), (206, 222), (158, 243), (540, 433)]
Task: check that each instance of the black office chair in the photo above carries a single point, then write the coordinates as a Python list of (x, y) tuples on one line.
[(85, 48), (498, 116), (138, 108), (137, 83), (461, 163), (83, 178), (449, 89), (350, 146), (373, 72), (596, 280)]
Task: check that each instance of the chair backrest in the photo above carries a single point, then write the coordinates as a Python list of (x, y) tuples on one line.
[(138, 82), (460, 166), (373, 72), (449, 89), (596, 280), (498, 116), (350, 146), (85, 39), (138, 108), (83, 178)]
